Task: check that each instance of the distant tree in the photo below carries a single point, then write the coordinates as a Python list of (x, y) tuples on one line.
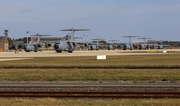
[(19, 39), (11, 42), (101, 41), (104, 42), (178, 44)]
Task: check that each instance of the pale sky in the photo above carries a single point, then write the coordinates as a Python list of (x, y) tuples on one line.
[(156, 19)]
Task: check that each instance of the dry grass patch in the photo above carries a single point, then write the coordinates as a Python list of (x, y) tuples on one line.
[(87, 102)]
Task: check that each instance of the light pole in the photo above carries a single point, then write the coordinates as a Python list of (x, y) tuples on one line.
[(84, 39), (27, 35)]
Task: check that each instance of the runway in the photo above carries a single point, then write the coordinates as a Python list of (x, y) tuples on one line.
[(7, 56), (75, 53)]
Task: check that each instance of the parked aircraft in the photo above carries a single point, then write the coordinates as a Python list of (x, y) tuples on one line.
[(161, 45), (33, 47), (111, 45), (68, 44), (95, 46), (128, 45), (144, 45), (85, 43), (29, 47)]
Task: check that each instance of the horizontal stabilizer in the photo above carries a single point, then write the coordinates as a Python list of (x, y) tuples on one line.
[(97, 39), (144, 38), (75, 29), (130, 36), (113, 40), (40, 35)]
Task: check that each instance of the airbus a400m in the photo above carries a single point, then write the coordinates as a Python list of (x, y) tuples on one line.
[(68, 44)]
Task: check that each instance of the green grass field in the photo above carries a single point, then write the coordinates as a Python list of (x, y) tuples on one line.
[(99, 75), (134, 75), (151, 60)]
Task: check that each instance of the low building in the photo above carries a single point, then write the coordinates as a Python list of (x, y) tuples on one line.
[(4, 44)]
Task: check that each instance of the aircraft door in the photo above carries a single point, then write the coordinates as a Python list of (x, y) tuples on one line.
[(140, 47), (74, 44), (70, 47), (97, 47), (124, 47), (35, 48)]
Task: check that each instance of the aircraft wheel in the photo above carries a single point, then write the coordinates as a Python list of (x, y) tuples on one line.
[(69, 51), (58, 51)]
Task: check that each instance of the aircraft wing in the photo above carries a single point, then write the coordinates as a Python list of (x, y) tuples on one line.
[(113, 40), (144, 38)]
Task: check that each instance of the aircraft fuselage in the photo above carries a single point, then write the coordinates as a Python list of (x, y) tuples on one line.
[(93, 47), (28, 47), (111, 47), (64, 45)]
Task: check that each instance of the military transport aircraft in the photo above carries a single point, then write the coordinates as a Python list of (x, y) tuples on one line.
[(128, 45), (144, 45), (95, 45), (33, 47), (160, 46), (111, 45), (68, 44)]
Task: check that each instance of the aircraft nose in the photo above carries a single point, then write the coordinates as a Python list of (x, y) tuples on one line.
[(56, 46), (25, 47), (39, 45), (49, 44)]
